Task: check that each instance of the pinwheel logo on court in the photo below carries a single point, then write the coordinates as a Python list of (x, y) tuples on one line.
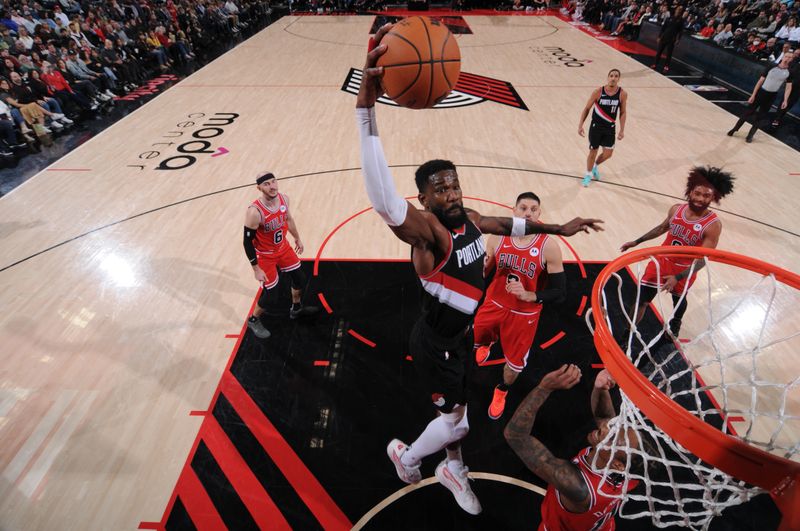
[(471, 89)]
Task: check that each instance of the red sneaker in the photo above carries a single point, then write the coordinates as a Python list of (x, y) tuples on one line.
[(498, 404), (482, 354)]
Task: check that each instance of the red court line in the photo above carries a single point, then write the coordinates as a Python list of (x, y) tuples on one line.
[(187, 464), (260, 506), (231, 336), (735, 419), (361, 338), (582, 305), (198, 505), (324, 302), (297, 474), (151, 525), (330, 235), (555, 338), (321, 363), (198, 413)]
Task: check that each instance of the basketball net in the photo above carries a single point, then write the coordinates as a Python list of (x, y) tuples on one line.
[(728, 375)]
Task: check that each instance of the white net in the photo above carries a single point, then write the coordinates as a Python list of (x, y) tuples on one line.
[(738, 373)]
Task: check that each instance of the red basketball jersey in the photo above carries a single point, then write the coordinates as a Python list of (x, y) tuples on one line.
[(271, 234), (599, 516), (525, 264), (685, 232)]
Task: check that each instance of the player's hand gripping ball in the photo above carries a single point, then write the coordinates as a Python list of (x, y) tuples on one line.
[(422, 63)]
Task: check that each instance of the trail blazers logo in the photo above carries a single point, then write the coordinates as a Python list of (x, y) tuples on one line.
[(470, 90)]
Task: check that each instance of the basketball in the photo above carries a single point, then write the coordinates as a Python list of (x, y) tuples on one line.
[(422, 62)]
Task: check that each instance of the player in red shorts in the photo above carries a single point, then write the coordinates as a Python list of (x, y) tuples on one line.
[(267, 221), (575, 500), (513, 303), (691, 223)]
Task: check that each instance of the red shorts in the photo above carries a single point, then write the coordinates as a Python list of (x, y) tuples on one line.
[(514, 329), (284, 259), (666, 268)]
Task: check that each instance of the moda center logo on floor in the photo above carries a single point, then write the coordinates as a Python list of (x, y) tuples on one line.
[(557, 56), (191, 138)]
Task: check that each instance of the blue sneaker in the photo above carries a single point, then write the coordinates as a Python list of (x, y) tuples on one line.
[(595, 173), (586, 179)]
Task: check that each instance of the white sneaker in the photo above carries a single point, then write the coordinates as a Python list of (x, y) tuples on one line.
[(66, 121), (110, 94), (458, 484), (55, 125), (57, 116), (395, 451)]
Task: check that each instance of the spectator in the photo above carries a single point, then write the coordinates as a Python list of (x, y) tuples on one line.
[(776, 58), (669, 36), (724, 37), (708, 31), (63, 90)]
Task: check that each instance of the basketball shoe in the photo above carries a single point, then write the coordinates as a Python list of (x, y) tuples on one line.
[(395, 450), (498, 404), (482, 354), (595, 173), (587, 179), (302, 311), (457, 482), (258, 328)]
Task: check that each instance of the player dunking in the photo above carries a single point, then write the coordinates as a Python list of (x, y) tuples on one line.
[(266, 223), (604, 103), (447, 252), (514, 299), (574, 499), (691, 223)]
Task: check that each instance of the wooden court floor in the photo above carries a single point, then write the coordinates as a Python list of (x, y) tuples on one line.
[(121, 267)]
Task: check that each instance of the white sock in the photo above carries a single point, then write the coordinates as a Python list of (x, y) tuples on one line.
[(436, 436), (454, 456)]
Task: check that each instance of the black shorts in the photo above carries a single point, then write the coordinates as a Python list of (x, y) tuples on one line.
[(601, 136), (442, 364)]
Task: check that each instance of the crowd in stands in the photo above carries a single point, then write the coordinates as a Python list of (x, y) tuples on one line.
[(761, 29), (63, 61)]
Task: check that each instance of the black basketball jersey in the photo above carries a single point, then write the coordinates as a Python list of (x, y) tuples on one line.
[(455, 287), (606, 108)]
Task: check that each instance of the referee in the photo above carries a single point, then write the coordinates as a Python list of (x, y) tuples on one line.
[(763, 94)]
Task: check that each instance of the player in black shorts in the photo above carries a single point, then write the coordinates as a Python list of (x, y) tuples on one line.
[(605, 103), (447, 252)]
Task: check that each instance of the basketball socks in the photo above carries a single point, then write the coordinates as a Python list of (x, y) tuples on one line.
[(437, 435), (253, 319), (454, 456)]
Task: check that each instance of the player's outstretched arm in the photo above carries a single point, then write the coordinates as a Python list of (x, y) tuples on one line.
[(602, 406), (405, 221), (521, 227), (656, 231), (562, 474)]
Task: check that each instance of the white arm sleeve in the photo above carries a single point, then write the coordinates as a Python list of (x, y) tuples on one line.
[(377, 177)]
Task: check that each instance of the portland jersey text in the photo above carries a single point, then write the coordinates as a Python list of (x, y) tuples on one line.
[(604, 113), (456, 285)]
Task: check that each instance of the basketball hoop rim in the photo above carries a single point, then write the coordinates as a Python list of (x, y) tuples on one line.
[(731, 455)]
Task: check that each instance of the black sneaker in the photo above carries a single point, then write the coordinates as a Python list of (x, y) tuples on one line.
[(303, 311), (730, 133), (749, 139), (258, 328)]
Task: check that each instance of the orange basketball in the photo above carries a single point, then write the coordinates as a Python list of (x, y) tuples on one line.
[(422, 62)]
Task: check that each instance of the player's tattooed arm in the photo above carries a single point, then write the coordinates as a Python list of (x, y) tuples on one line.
[(656, 231), (562, 474), (503, 226)]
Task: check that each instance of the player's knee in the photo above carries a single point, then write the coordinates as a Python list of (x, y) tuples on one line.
[(298, 278), (457, 423)]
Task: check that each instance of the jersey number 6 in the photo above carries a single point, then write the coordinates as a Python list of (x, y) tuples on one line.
[(278, 238)]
